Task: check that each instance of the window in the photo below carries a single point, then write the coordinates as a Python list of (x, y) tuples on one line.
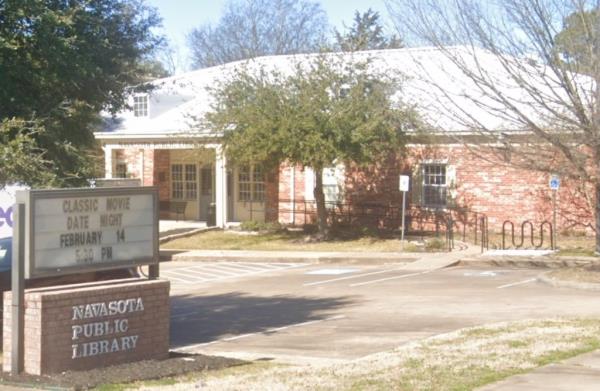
[(121, 170), (251, 184), (245, 186), (258, 184), (140, 106), (434, 184), (183, 182), (332, 177), (190, 182)]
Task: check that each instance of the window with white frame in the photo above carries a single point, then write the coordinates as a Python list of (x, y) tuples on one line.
[(190, 182), (251, 184), (140, 105), (121, 170), (332, 177), (333, 184), (258, 184), (434, 185), (184, 182)]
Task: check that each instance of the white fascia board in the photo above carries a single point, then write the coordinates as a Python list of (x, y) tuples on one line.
[(164, 145), (149, 137)]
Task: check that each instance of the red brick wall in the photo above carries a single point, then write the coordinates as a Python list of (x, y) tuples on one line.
[(500, 191), (497, 189), (162, 173), (148, 169), (286, 206), (504, 192), (53, 343), (132, 158), (156, 170), (272, 196)]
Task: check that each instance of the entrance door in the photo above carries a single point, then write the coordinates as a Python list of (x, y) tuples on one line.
[(207, 190)]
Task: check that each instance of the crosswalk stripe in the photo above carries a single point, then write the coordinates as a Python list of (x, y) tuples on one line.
[(239, 268), (216, 271)]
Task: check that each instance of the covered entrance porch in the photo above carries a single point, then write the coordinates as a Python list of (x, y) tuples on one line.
[(195, 181)]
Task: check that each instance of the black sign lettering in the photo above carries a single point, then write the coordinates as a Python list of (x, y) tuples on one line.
[(106, 253)]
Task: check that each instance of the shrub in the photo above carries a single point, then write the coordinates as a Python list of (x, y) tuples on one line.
[(435, 244)]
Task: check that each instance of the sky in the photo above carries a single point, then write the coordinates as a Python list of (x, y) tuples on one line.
[(181, 16)]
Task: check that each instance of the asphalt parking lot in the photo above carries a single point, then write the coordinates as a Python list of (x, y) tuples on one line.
[(311, 311)]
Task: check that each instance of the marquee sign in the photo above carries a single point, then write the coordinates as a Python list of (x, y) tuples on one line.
[(73, 231)]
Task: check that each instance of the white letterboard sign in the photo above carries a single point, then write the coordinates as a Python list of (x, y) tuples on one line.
[(72, 231)]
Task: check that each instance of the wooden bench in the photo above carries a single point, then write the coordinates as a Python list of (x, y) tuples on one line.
[(177, 207)]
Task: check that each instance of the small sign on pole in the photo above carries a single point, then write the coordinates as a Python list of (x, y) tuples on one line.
[(404, 181), (554, 182), (403, 185)]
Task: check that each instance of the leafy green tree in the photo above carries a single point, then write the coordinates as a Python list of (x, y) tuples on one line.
[(325, 112), (19, 154), (63, 62), (366, 33)]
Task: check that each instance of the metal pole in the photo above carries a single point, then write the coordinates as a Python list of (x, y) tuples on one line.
[(403, 227), (554, 228), (18, 291), (153, 271)]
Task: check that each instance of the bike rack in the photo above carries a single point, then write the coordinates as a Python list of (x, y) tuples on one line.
[(531, 235)]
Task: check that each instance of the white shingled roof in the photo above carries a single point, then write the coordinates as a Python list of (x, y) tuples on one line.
[(433, 83)]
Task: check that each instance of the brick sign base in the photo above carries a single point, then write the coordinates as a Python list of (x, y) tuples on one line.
[(78, 327)]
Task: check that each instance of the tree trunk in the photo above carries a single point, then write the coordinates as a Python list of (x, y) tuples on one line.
[(597, 202), (321, 209)]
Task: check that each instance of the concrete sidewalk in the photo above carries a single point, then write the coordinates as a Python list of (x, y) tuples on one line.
[(581, 373)]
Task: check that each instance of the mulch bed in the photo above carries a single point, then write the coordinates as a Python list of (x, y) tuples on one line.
[(177, 364)]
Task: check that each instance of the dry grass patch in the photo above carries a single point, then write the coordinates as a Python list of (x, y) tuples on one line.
[(283, 241), (461, 360), (577, 274)]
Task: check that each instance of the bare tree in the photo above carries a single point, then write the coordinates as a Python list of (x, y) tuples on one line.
[(534, 64), (251, 28)]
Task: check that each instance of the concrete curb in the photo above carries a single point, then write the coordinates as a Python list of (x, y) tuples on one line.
[(168, 238), (520, 262), (590, 286), (286, 258)]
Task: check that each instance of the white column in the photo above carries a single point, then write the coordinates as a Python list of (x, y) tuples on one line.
[(221, 187), (108, 162)]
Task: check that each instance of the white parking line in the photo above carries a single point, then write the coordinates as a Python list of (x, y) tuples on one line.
[(390, 278), (268, 331), (517, 283), (348, 277)]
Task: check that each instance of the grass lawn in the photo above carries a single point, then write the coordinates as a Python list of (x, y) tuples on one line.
[(291, 241), (461, 360), (577, 274)]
